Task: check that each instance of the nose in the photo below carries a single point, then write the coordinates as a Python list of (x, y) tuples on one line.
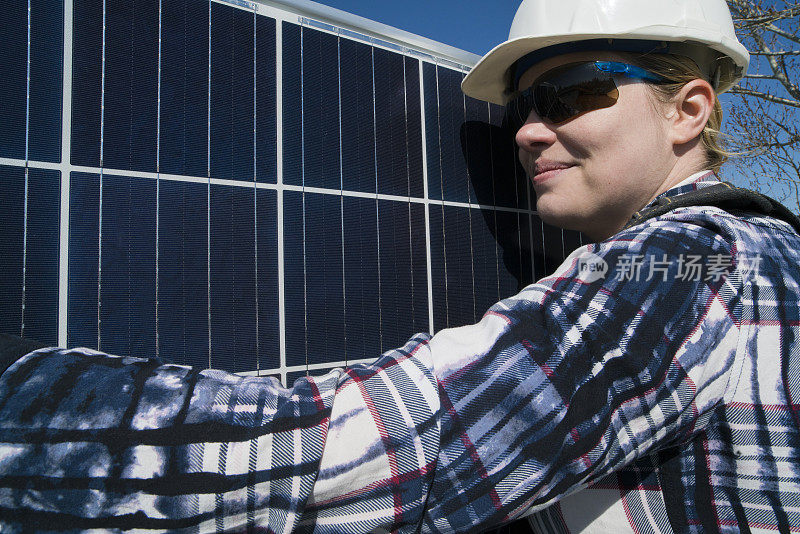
[(535, 134)]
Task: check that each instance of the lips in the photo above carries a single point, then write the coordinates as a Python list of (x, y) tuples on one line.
[(546, 169)]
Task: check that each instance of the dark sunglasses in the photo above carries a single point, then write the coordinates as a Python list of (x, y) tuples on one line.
[(565, 92)]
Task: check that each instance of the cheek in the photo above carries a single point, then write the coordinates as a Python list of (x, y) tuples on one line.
[(624, 142)]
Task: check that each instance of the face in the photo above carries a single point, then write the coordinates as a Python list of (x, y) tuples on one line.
[(593, 172)]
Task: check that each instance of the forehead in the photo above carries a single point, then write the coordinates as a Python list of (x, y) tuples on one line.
[(530, 75)]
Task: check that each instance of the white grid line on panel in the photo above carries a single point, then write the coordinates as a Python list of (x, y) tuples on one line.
[(27, 177), (441, 190), (66, 148), (279, 198), (158, 172), (275, 187), (341, 192), (428, 262), (530, 213), (24, 254), (303, 192), (255, 181), (469, 217), (208, 191), (377, 211), (408, 188), (28, 85), (494, 214), (519, 218), (541, 224), (100, 202)]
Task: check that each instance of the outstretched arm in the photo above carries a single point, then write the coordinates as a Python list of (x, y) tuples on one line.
[(553, 389)]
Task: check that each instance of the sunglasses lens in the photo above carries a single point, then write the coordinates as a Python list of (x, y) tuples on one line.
[(564, 93), (518, 109), (550, 104)]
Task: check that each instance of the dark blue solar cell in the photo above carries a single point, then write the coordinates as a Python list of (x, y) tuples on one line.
[(439, 296), (87, 59), (558, 244), (266, 122), (184, 88), (514, 248), (390, 124), (510, 182), (84, 224), (313, 289), (550, 245), (455, 180), (294, 278), (460, 266), (452, 270), (41, 257), (267, 279), (131, 85), (419, 261), (47, 36), (13, 78), (528, 275), (362, 312), (432, 132), (480, 188), (232, 86), (292, 105), (486, 258), (403, 270), (183, 273), (358, 121), (324, 278), (128, 266), (414, 128), (321, 156), (233, 283), (12, 221)]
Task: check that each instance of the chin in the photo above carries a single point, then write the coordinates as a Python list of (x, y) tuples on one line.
[(560, 216), (570, 219)]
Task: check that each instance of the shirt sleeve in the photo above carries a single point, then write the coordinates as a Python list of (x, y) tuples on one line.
[(555, 387)]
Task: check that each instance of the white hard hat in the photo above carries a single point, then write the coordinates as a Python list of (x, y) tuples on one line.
[(700, 29)]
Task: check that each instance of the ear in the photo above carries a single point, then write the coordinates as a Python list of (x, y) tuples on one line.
[(691, 108)]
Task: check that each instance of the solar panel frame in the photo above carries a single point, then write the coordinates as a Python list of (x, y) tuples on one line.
[(250, 188)]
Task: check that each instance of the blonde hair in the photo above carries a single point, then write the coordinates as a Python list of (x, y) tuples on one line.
[(677, 71)]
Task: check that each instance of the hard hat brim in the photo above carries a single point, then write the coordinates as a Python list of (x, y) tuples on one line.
[(489, 80)]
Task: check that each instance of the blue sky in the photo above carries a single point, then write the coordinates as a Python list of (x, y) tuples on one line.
[(472, 25)]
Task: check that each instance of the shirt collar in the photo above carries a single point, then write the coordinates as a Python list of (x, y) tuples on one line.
[(694, 182)]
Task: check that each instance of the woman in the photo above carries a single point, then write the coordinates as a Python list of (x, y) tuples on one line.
[(647, 385)]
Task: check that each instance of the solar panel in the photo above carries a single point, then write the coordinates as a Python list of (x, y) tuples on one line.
[(247, 188)]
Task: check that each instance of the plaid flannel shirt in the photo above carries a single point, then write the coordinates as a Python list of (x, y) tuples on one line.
[(670, 389)]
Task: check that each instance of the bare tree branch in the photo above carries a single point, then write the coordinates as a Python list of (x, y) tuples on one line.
[(778, 66), (764, 110), (774, 29), (765, 96), (778, 53)]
